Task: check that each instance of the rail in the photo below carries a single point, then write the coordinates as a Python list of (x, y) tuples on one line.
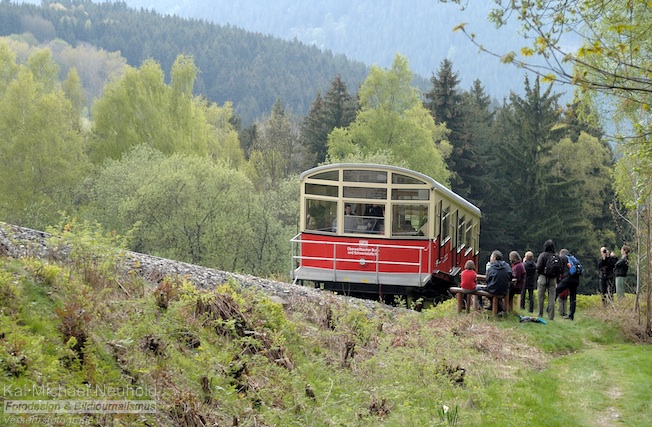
[(297, 258)]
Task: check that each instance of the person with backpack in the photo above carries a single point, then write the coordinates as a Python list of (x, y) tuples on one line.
[(570, 281), (606, 265), (620, 271), (549, 268), (530, 281)]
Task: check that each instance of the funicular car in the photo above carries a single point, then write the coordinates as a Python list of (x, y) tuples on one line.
[(376, 230)]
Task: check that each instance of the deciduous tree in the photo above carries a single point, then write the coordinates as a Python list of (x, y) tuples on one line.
[(392, 119), (41, 149), (193, 209), (139, 108)]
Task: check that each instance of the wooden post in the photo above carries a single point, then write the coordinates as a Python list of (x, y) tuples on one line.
[(459, 297)]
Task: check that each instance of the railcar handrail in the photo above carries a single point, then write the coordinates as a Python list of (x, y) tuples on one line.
[(298, 257)]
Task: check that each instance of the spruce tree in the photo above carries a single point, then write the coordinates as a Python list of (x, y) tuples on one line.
[(335, 110), (534, 131), (339, 104), (445, 103), (480, 120), (314, 131)]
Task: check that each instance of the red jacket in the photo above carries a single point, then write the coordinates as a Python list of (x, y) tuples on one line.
[(519, 274), (469, 279)]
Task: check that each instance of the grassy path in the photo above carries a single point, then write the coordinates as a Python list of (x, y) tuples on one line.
[(594, 379)]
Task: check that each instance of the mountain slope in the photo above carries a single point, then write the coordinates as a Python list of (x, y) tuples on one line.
[(374, 31)]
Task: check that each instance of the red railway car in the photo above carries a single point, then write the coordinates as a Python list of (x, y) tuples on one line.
[(382, 231)]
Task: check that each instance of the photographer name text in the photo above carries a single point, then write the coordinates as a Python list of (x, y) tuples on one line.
[(97, 391)]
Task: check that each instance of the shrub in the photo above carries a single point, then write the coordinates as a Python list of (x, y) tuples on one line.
[(9, 293)]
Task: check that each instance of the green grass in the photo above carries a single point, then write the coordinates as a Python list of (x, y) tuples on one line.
[(320, 363)]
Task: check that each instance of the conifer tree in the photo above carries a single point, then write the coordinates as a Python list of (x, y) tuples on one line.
[(336, 109), (534, 130), (476, 105), (339, 104), (445, 103), (314, 131), (497, 198), (276, 151)]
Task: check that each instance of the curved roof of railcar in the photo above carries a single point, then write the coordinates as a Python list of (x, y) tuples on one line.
[(435, 184)]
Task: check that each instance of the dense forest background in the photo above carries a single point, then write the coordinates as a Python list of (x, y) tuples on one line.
[(373, 31), (346, 35), (187, 137)]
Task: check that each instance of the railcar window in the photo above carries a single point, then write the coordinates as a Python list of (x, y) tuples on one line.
[(365, 193), (445, 223), (469, 234), (375, 177), (437, 218), (453, 227), (321, 215), (328, 176), (352, 222), (398, 178), (409, 220), (407, 194), (461, 230), (321, 190), (372, 219)]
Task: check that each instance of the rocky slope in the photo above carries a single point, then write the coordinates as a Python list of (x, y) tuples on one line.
[(20, 242)]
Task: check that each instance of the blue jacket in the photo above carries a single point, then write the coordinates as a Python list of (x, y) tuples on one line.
[(565, 275), (499, 278)]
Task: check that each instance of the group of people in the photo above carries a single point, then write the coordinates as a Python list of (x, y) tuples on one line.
[(498, 278), (551, 274)]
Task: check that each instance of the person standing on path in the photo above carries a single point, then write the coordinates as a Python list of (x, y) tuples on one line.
[(530, 281), (606, 265), (518, 270), (620, 271), (569, 282), (547, 282)]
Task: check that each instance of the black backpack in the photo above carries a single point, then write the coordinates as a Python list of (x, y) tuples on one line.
[(553, 266)]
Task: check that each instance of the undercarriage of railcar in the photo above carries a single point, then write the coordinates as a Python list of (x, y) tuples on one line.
[(434, 292)]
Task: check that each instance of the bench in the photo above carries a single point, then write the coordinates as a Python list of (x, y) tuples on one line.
[(469, 294)]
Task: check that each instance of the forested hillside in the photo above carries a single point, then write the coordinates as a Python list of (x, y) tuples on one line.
[(249, 69), (374, 31)]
